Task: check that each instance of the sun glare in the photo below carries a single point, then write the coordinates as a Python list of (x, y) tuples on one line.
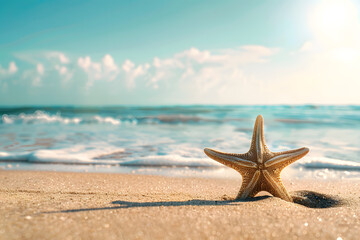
[(334, 22), (346, 55)]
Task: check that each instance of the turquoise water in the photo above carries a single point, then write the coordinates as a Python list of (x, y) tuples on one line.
[(169, 140)]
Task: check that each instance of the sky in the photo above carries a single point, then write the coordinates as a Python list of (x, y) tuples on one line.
[(179, 52)]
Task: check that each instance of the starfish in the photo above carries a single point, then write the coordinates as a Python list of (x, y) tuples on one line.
[(260, 168)]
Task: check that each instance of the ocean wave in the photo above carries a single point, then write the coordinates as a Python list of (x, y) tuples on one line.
[(77, 157), (329, 163), (282, 115), (63, 157), (171, 161), (175, 119), (40, 117), (109, 120), (53, 157), (37, 117)]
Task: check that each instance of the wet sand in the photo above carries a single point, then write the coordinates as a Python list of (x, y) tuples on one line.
[(51, 205)]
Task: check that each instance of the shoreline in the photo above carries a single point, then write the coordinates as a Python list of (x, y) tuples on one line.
[(216, 172), (67, 205)]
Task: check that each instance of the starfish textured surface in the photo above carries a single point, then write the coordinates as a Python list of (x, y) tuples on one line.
[(259, 167)]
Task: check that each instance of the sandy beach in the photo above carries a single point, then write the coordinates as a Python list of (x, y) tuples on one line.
[(54, 205)]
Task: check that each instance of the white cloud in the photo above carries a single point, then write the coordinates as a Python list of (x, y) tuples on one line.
[(62, 69), (59, 57), (85, 62), (132, 72), (109, 63), (37, 75), (241, 55), (64, 73), (106, 69), (247, 54), (40, 68), (60, 61), (63, 58), (4, 73), (208, 69), (169, 63), (306, 47), (195, 54), (93, 70), (258, 50), (51, 60), (12, 69), (111, 70), (128, 65), (156, 78), (246, 74)]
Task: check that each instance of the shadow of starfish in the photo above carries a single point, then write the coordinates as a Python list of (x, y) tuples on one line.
[(305, 198), (312, 199)]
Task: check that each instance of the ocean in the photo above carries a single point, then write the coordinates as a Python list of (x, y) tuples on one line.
[(169, 140)]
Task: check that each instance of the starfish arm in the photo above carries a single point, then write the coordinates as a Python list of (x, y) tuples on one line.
[(258, 139), (248, 185), (234, 161), (275, 186), (283, 159)]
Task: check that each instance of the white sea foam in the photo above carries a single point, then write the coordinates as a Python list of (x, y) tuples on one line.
[(110, 120), (43, 117), (65, 157), (88, 155), (38, 117), (6, 119), (330, 163), (78, 154)]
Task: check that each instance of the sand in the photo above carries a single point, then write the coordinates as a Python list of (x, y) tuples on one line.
[(52, 205)]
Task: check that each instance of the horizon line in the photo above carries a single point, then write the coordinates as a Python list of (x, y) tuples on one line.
[(167, 105)]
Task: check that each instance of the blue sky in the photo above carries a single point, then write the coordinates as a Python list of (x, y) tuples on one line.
[(179, 52)]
